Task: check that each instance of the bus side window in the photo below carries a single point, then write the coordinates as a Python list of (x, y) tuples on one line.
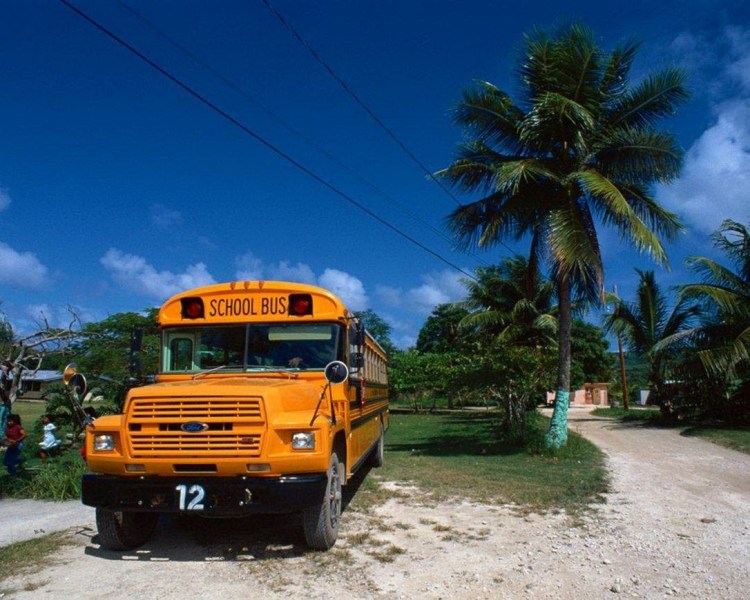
[(355, 351), (181, 354)]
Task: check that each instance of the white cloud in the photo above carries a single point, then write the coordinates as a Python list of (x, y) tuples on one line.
[(22, 269), (59, 316), (135, 274), (438, 288), (286, 272), (715, 182), (390, 296), (250, 267), (345, 286), (4, 200), (164, 217)]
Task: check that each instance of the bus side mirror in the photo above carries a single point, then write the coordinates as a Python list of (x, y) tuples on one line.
[(336, 372)]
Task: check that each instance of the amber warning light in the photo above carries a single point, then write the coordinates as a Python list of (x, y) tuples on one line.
[(192, 308), (300, 305)]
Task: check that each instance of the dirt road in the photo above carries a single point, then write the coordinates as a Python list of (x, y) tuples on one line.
[(677, 524)]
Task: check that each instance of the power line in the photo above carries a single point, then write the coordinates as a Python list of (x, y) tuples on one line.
[(255, 135), (357, 99), (273, 116), (305, 44)]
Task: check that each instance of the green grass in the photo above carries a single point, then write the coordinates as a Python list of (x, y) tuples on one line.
[(59, 479), (737, 438), (30, 412), (632, 414), (462, 456)]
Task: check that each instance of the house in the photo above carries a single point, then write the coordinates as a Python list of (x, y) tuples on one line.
[(34, 384), (591, 393)]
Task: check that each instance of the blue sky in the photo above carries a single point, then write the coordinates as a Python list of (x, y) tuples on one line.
[(118, 188)]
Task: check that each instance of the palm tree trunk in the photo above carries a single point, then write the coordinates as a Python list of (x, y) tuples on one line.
[(557, 435)]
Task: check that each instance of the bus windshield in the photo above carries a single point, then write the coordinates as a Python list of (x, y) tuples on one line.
[(254, 347)]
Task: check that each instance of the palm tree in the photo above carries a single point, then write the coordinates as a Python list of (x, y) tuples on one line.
[(725, 296), (579, 151), (512, 303), (651, 330)]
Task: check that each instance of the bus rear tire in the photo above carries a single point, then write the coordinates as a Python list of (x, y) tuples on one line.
[(123, 530), (321, 522)]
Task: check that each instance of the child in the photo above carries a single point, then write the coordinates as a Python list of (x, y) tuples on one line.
[(14, 437), (49, 442)]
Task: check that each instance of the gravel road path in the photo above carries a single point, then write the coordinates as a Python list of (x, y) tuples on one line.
[(677, 524)]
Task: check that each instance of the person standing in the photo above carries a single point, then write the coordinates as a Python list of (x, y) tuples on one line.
[(49, 442), (15, 434)]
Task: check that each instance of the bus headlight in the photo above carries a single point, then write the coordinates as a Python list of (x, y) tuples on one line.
[(303, 440), (104, 442)]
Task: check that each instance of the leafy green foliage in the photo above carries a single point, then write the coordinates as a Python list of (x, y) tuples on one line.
[(512, 377), (58, 479), (106, 349), (441, 332), (378, 328), (590, 360), (511, 302)]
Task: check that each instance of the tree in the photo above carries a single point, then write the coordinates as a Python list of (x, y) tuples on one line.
[(441, 332), (378, 328), (579, 151), (27, 353), (725, 298), (106, 348), (590, 360), (651, 330), (511, 302)]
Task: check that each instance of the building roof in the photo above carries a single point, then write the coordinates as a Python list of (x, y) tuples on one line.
[(42, 375)]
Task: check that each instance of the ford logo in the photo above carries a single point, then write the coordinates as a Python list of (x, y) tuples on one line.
[(193, 427)]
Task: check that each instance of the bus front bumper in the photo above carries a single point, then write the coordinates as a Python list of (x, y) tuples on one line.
[(210, 496)]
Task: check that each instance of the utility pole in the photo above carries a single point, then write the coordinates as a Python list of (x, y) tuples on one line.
[(623, 376)]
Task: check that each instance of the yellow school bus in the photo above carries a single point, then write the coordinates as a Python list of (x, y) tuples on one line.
[(269, 397)]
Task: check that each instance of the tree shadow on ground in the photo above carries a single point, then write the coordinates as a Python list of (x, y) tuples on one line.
[(459, 435)]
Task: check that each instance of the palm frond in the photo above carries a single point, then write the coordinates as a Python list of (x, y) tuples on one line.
[(615, 77), (490, 114), (638, 156), (655, 97), (615, 209), (575, 249), (734, 239), (662, 222)]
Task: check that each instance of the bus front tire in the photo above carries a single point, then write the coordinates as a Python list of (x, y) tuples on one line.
[(123, 530), (321, 522)]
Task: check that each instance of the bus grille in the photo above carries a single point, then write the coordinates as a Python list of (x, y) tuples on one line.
[(232, 427)]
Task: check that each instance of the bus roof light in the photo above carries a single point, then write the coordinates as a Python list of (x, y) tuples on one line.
[(300, 305), (192, 308)]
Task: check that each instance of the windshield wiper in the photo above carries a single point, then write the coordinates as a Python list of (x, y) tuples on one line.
[(272, 369), (206, 372)]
